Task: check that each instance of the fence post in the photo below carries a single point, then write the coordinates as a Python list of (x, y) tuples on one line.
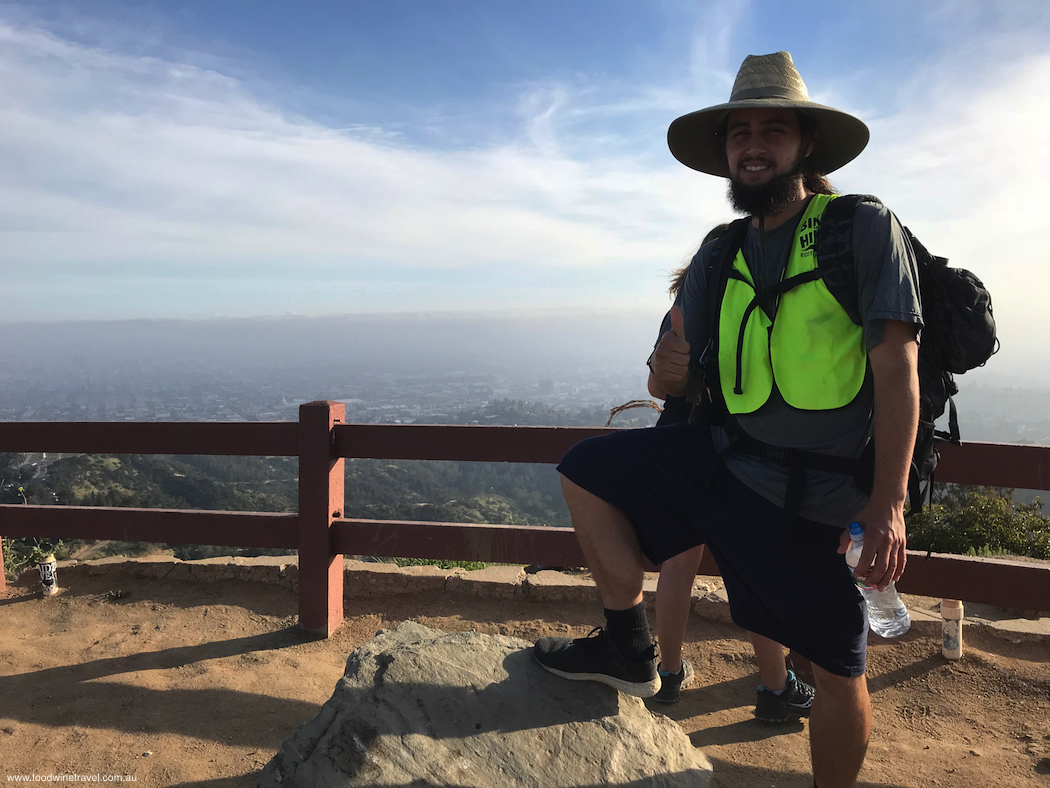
[(320, 501), (3, 574)]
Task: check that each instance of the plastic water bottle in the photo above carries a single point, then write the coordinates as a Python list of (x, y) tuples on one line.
[(887, 615)]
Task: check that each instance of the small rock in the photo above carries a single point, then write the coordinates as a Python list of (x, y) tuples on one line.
[(8, 731), (975, 753), (147, 753)]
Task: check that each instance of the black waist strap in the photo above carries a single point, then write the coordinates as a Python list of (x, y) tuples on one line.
[(797, 461), (767, 452)]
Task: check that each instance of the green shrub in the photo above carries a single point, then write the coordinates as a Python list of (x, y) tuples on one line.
[(21, 554), (12, 562), (468, 565), (981, 521)]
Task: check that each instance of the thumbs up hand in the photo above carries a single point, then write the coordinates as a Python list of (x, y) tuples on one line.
[(678, 323), (669, 363)]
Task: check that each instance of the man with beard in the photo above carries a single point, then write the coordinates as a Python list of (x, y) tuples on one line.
[(809, 393)]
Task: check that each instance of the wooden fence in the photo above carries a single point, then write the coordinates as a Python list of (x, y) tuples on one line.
[(322, 535)]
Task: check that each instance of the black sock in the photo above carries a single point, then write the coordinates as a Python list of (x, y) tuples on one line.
[(629, 630)]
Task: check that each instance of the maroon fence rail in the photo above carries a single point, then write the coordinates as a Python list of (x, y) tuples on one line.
[(458, 442), (322, 535), (180, 526), (995, 465), (246, 439)]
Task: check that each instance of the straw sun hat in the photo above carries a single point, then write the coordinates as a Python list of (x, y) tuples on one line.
[(766, 81)]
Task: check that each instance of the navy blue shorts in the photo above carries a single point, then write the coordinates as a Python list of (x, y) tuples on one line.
[(797, 591)]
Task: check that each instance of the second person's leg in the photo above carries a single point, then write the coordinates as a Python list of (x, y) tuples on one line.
[(673, 598)]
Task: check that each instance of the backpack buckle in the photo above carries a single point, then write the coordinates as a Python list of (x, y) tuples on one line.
[(777, 454)]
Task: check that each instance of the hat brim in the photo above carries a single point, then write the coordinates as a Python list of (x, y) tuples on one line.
[(693, 141)]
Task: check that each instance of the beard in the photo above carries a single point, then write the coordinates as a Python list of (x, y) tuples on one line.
[(770, 198)]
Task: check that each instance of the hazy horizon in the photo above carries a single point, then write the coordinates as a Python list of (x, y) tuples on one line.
[(400, 342), (430, 342)]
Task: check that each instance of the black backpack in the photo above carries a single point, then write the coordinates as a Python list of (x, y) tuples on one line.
[(958, 335)]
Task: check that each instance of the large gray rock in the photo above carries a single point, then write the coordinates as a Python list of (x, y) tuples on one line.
[(417, 707)]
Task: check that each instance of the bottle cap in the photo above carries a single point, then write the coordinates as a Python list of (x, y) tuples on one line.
[(856, 529)]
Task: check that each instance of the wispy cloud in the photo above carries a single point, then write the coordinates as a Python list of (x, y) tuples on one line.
[(966, 168), (157, 184), (138, 167), (714, 45)]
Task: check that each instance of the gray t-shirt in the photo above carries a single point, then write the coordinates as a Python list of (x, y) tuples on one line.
[(888, 283)]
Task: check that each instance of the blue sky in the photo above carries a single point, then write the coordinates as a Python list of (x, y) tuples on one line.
[(213, 159)]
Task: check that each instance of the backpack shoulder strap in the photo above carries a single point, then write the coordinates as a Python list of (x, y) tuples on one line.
[(835, 251), (719, 264)]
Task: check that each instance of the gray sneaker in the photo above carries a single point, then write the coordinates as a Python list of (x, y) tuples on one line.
[(790, 705), (672, 684), (596, 658)]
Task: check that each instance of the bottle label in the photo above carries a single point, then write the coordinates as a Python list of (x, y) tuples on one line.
[(48, 576), (950, 636), (862, 585)]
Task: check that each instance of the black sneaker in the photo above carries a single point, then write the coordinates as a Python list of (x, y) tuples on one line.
[(596, 658), (790, 705), (672, 684)]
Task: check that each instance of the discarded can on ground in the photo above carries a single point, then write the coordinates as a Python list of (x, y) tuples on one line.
[(951, 628), (48, 575)]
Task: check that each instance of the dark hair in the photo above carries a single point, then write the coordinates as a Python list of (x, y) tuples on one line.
[(813, 181), (678, 277), (816, 183)]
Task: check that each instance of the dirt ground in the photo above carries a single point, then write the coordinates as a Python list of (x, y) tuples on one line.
[(197, 684)]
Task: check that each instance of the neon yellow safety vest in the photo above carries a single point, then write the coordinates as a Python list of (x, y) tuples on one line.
[(811, 349)]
